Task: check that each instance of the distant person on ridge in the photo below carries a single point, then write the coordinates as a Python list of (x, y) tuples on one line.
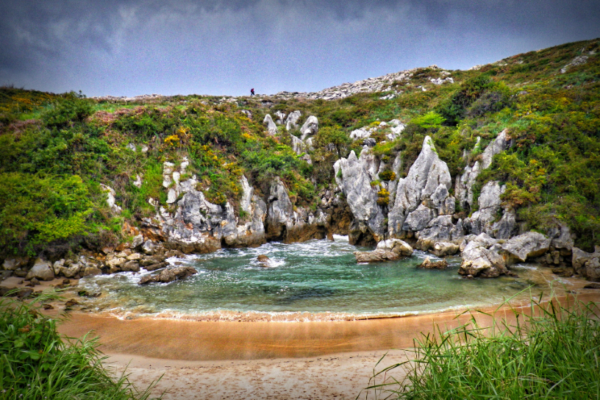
[(252, 92)]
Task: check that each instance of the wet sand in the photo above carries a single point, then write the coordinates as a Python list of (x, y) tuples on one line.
[(268, 360)]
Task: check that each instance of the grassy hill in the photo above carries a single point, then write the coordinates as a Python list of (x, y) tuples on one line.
[(57, 150)]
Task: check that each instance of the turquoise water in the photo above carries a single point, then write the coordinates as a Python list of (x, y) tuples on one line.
[(314, 277)]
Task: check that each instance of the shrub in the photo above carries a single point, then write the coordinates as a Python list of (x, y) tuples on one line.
[(36, 362)]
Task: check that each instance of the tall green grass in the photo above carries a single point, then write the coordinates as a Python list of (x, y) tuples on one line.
[(36, 362), (553, 352)]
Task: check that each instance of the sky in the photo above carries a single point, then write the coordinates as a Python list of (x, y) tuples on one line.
[(220, 47)]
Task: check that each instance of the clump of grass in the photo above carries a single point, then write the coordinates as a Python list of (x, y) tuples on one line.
[(551, 353), (36, 362)]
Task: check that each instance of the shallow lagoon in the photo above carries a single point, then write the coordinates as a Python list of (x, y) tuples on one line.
[(306, 280)]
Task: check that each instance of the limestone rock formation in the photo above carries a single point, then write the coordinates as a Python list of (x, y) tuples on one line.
[(280, 117), (250, 231), (489, 207), (353, 177), (309, 128), (271, 127), (426, 185), (291, 122), (464, 183)]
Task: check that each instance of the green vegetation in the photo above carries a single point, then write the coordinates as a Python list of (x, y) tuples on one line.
[(36, 362), (553, 354), (67, 146)]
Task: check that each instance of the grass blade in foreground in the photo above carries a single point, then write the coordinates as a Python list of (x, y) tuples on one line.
[(552, 352), (36, 362)]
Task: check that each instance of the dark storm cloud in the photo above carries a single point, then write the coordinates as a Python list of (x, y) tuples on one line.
[(143, 46)]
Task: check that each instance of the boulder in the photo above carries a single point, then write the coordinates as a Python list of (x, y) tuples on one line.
[(375, 256), (562, 239), (90, 271), (114, 264), (442, 249), (67, 268), (592, 269), (440, 229), (264, 260), (131, 266), (527, 245), (580, 258), (428, 264), (397, 246), (42, 270), (138, 241), (169, 275), (482, 258), (11, 264), (154, 267), (148, 247), (271, 127)]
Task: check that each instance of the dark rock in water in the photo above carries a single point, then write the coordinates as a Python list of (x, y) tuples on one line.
[(24, 293), (71, 303), (33, 282), (428, 264), (48, 307), (375, 256), (66, 281), (154, 267), (594, 285), (387, 250), (91, 293), (264, 260), (169, 275), (20, 273), (563, 272)]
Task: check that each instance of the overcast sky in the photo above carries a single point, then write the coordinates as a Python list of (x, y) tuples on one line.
[(111, 47)]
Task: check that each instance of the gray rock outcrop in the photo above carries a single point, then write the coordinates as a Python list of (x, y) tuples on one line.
[(310, 127), (291, 122), (426, 185), (526, 246), (271, 127), (353, 177), (489, 208), (464, 184)]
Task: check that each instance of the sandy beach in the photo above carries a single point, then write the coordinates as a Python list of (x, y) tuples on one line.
[(267, 360)]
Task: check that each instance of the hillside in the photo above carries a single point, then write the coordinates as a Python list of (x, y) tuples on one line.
[(515, 145)]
